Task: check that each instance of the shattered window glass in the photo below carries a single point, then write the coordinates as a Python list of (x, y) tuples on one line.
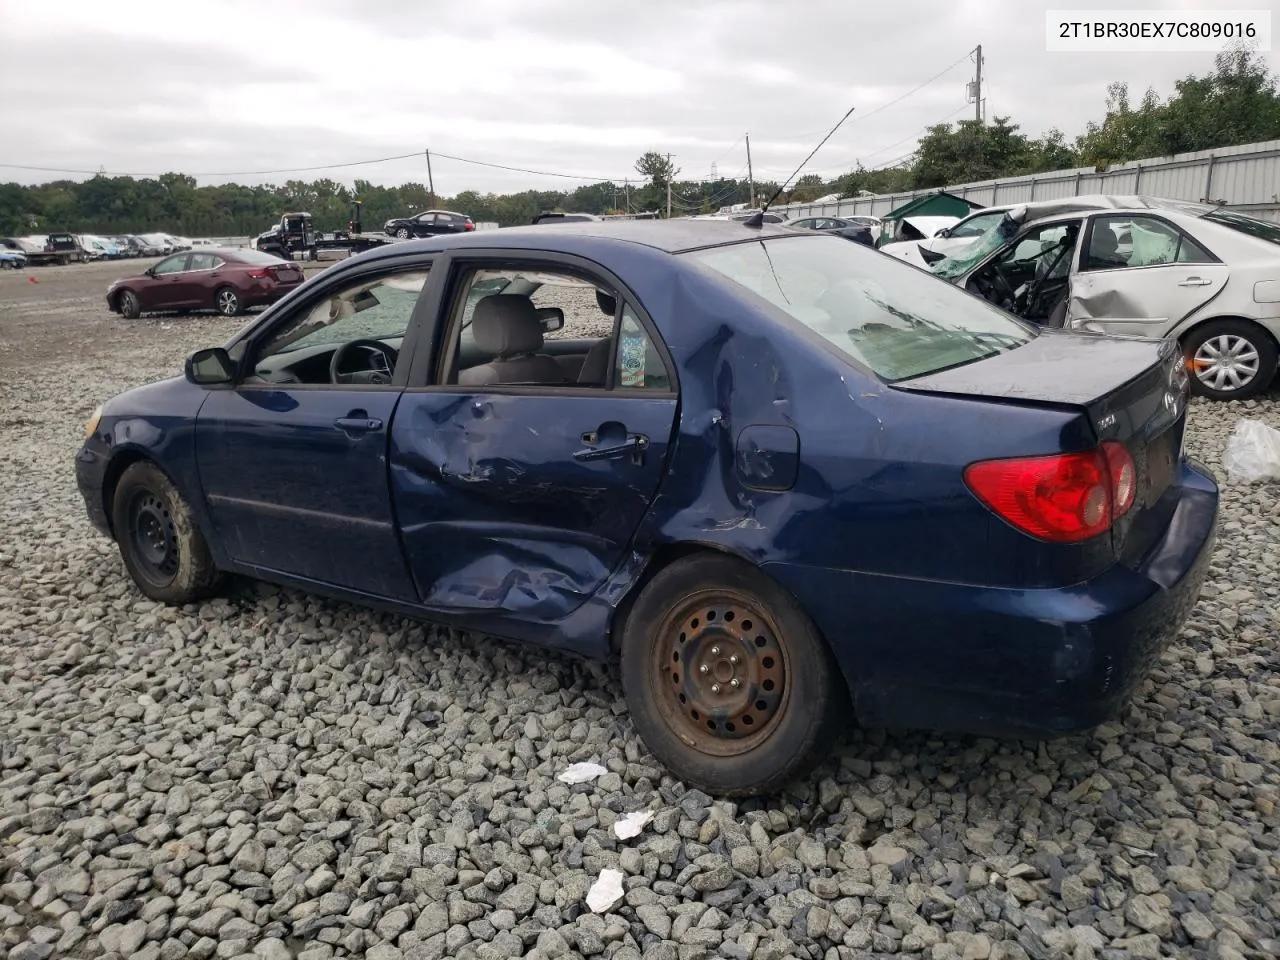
[(878, 310)]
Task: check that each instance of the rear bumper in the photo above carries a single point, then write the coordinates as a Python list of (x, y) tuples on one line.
[(998, 662)]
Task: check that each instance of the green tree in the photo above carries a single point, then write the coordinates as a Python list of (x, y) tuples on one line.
[(656, 168)]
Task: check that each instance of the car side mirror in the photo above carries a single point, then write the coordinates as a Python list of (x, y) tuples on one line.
[(209, 367), (944, 232), (552, 319)]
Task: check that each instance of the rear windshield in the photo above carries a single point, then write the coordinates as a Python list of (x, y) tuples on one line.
[(256, 256), (881, 311), (1261, 229)]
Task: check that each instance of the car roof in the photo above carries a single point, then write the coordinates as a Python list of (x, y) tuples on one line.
[(669, 236), (1042, 209)]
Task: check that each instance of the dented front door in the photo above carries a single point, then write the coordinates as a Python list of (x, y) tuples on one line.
[(522, 504)]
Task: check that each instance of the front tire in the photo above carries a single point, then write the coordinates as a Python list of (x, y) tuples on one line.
[(1230, 359), (727, 680), (227, 302), (130, 305), (162, 548), (403, 233)]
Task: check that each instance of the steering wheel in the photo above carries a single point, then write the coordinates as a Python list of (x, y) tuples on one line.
[(370, 374)]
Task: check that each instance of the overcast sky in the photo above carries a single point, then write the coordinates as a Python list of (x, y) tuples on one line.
[(572, 86)]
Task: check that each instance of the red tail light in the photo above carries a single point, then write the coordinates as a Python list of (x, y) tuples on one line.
[(1061, 498), (260, 273), (468, 225)]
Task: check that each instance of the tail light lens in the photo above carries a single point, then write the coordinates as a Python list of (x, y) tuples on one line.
[(261, 273), (1061, 498), (469, 225)]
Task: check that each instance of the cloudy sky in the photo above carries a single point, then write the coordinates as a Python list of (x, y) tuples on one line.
[(223, 89)]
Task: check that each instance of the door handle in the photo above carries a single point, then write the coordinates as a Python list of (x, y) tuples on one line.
[(358, 424), (635, 445), (1194, 282)]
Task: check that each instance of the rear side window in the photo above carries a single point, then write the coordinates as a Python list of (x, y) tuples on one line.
[(882, 312), (638, 364)]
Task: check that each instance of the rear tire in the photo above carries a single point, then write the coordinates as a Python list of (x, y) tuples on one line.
[(162, 548), (227, 302), (402, 233), (1230, 359), (727, 680), (130, 306)]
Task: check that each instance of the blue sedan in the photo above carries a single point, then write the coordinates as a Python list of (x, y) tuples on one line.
[(791, 483)]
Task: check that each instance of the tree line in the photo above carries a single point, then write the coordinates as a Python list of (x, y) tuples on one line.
[(1237, 102)]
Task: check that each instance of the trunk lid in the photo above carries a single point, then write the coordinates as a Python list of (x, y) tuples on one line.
[(1129, 389)]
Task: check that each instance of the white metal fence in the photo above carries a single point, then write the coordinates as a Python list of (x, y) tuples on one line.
[(1245, 178)]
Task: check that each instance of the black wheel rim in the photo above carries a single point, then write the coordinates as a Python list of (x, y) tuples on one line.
[(720, 669), (153, 537)]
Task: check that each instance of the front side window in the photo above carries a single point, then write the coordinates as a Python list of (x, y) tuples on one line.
[(172, 265), (374, 309), (878, 310)]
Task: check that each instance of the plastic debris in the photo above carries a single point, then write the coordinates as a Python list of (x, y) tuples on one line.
[(630, 826), (582, 773), (1253, 452), (606, 891)]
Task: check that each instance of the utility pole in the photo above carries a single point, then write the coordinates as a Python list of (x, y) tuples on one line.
[(977, 86), (751, 180), (668, 199), (431, 186)]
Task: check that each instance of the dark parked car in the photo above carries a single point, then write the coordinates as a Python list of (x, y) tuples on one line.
[(429, 223), (791, 482), (229, 281), (849, 229)]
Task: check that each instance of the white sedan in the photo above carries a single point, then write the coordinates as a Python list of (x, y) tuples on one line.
[(1205, 276)]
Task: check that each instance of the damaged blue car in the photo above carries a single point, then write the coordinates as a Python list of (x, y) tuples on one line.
[(793, 484)]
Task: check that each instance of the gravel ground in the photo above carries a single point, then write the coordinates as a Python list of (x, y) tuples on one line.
[(276, 775)]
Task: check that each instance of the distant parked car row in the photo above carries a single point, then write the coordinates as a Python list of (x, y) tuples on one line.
[(34, 250)]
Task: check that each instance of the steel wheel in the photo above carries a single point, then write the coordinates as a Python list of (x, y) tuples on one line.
[(1226, 362), (724, 667), (227, 302), (153, 537), (728, 682)]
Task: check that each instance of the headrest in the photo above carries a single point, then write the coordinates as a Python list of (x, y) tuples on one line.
[(1104, 242), (506, 324), (607, 303)]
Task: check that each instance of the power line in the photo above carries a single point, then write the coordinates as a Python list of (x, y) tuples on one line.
[(888, 147), (324, 166)]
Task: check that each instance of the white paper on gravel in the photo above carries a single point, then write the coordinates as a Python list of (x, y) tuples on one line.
[(630, 826), (1253, 452), (606, 891), (582, 773)]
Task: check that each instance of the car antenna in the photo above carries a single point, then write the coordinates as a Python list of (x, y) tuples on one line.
[(757, 220)]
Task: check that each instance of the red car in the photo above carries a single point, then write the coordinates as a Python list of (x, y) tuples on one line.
[(227, 280)]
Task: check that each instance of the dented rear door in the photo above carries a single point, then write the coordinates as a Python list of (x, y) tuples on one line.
[(521, 502), (1153, 279)]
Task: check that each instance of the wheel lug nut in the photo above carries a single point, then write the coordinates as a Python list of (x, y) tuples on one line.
[(715, 688), (735, 683), (704, 669), (734, 659), (715, 651)]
